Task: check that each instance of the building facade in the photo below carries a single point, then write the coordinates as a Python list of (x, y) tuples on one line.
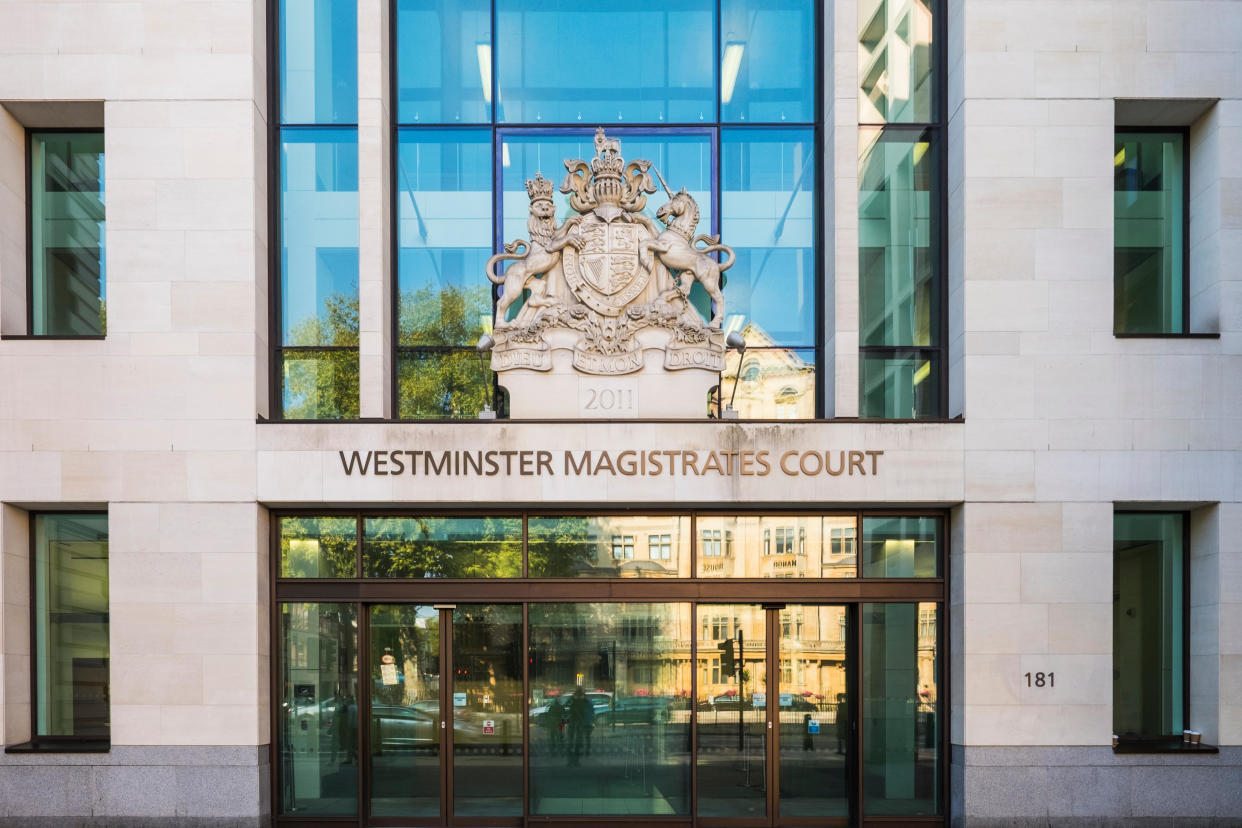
[(951, 540)]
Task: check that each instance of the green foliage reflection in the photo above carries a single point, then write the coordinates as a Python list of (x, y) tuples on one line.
[(443, 547)]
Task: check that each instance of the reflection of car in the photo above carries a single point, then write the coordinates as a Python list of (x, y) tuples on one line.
[(725, 702), (797, 703), (635, 710), (394, 726)]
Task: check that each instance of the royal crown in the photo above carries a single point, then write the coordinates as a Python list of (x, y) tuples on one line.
[(608, 160), (539, 188)]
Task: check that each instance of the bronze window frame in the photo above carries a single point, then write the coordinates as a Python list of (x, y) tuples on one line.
[(771, 593)]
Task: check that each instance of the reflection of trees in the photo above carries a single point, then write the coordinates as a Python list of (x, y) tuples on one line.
[(440, 375), (309, 548), (324, 384), (444, 548), (415, 650), (563, 547)]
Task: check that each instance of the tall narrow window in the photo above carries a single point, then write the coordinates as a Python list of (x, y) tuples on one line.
[(1149, 624), (900, 277), (67, 285), (1150, 215), (317, 338), (444, 232), (71, 627)]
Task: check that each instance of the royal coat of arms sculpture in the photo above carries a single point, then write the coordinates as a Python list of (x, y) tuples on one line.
[(609, 286)]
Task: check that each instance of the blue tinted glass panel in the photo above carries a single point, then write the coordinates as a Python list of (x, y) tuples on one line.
[(67, 233), (565, 61), (444, 61), (683, 161), (318, 62), (898, 261), (444, 210), (319, 236), (768, 217), (767, 61)]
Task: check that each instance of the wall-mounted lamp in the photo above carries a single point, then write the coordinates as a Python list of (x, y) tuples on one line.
[(734, 342), (484, 349)]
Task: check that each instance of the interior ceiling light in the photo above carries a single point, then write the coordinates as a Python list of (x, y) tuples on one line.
[(729, 66)]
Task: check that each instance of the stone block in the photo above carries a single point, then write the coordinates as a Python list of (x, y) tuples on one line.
[(133, 791), (1067, 578)]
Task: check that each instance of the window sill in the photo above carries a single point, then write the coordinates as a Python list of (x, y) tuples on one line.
[(54, 337), (1117, 335), (84, 746), (1167, 744)]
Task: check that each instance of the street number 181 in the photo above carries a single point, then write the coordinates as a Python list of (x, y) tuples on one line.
[(1041, 680)]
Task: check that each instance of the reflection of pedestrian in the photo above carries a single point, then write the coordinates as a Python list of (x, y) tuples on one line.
[(807, 742), (554, 724), (581, 723), (843, 723)]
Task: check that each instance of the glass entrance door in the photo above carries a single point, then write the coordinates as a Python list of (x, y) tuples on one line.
[(774, 730), (445, 731)]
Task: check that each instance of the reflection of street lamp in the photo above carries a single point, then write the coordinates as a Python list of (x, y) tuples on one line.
[(735, 341), (484, 349)]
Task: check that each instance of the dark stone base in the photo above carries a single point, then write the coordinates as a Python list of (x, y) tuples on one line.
[(1091, 787), (133, 822), (137, 787)]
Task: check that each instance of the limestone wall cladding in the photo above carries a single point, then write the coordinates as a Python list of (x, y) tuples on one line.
[(157, 421), (1062, 419)]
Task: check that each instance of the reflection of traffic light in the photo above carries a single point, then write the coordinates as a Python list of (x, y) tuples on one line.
[(728, 666)]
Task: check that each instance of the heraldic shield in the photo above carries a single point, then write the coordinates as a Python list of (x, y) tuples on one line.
[(605, 274), (601, 291)]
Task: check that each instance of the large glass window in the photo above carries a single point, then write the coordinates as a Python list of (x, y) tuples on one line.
[(786, 546), (317, 718), (1150, 252), (902, 718), (435, 547), (318, 547), (602, 697), (316, 346), (768, 216), (1149, 624), (318, 61), (896, 59), (451, 81), (899, 275), (565, 62), (900, 234), (610, 704), (405, 710), (603, 547), (718, 94), (767, 63), (67, 289), (901, 547), (444, 227), (71, 627)]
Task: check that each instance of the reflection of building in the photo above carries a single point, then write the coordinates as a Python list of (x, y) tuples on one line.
[(775, 383), (775, 547)]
